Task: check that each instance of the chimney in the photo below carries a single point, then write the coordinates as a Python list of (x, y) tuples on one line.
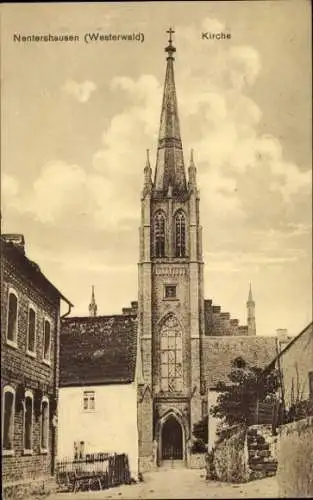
[(17, 240), (282, 337), (282, 333)]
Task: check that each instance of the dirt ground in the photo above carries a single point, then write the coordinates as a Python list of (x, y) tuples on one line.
[(181, 483)]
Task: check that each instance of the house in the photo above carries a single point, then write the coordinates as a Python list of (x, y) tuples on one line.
[(30, 327), (98, 388), (219, 352), (295, 365)]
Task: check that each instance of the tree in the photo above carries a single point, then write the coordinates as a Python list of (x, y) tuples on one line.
[(238, 398), (200, 433)]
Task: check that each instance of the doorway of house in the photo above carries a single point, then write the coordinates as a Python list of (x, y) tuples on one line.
[(172, 440)]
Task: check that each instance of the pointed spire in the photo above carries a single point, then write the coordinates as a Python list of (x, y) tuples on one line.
[(250, 297), (147, 174), (170, 168), (93, 306), (251, 313), (192, 171)]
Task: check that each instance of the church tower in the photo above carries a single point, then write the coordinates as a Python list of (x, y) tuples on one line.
[(251, 314), (170, 301), (93, 306)]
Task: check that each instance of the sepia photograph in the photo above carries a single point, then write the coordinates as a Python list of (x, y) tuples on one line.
[(156, 250)]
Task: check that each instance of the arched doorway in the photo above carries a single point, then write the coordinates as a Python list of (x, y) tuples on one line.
[(172, 440)]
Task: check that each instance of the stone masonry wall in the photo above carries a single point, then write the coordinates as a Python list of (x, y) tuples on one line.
[(19, 368)]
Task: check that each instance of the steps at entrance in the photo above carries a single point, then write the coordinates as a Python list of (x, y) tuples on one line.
[(173, 464)]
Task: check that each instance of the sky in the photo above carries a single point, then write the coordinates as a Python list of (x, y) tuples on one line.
[(77, 119)]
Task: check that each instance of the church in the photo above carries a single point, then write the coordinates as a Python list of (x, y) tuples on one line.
[(178, 345)]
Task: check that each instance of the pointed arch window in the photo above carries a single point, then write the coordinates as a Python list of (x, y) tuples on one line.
[(180, 234), (171, 356), (159, 234)]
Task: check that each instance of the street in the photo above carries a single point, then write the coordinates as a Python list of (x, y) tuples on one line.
[(180, 483)]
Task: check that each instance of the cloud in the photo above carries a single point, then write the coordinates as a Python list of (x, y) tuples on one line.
[(245, 181), (9, 188), (80, 91)]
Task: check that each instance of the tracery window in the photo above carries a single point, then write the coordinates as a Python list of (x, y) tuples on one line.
[(180, 234), (171, 356), (159, 234)]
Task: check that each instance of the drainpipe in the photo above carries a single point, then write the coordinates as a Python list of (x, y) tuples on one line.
[(56, 380)]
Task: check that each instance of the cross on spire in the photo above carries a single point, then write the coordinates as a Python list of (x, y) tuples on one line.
[(170, 49), (170, 32)]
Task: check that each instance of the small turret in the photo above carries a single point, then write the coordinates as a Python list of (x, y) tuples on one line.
[(147, 175), (251, 314), (192, 172), (93, 306)]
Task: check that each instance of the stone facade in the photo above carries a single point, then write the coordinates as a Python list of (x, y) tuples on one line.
[(26, 372), (174, 320), (295, 363)]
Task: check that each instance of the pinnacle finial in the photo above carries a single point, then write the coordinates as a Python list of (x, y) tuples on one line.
[(250, 297), (148, 157), (170, 49), (191, 157), (93, 306)]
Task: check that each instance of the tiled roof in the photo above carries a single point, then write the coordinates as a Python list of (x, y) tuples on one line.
[(97, 350), (29, 269), (219, 352)]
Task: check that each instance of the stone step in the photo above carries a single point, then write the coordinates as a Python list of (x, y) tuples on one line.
[(173, 464), (257, 475)]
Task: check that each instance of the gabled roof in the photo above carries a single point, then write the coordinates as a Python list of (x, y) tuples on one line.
[(287, 347), (97, 350), (219, 352), (29, 269)]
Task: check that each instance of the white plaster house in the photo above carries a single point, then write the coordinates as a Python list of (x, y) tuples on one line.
[(98, 389)]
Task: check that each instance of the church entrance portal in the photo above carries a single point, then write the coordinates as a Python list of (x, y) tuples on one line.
[(172, 440)]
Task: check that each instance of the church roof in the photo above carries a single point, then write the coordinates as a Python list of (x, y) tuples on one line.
[(98, 350), (170, 170), (219, 352)]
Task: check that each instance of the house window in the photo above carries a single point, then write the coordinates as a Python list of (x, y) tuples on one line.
[(180, 234), (159, 234), (28, 422), (170, 291), (47, 340), (171, 355), (8, 418), (44, 424), (31, 334), (12, 318), (89, 400)]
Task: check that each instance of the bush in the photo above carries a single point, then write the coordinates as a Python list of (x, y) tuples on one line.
[(295, 460)]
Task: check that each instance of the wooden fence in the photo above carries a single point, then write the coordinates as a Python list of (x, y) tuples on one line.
[(97, 471)]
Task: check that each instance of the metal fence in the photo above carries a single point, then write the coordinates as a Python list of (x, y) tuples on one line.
[(97, 471)]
